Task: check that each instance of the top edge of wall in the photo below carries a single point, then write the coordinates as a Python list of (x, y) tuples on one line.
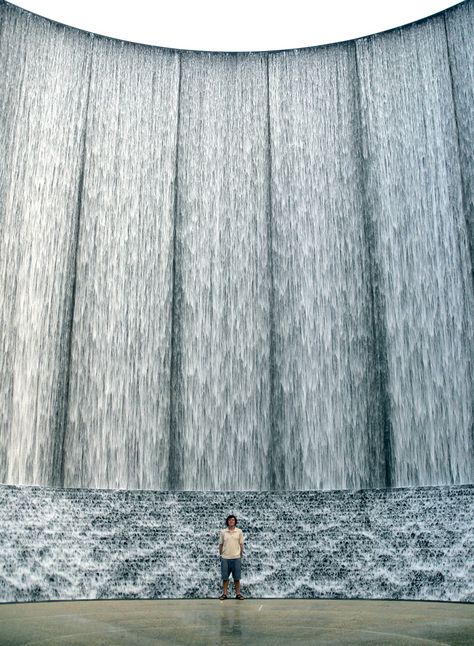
[(228, 30)]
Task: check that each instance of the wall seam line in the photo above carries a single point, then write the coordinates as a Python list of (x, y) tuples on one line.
[(377, 303), (277, 475), (173, 461), (69, 324)]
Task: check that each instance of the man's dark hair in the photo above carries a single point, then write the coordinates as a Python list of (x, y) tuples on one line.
[(228, 518)]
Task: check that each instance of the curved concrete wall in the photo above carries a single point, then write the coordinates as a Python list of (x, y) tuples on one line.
[(236, 271)]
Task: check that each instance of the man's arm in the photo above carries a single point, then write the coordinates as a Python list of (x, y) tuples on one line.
[(221, 543), (241, 543)]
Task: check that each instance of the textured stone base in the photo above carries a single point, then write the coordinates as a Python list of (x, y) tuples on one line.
[(96, 544)]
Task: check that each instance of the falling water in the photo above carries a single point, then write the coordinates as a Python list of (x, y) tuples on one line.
[(222, 396), (236, 271), (43, 96), (460, 33), (329, 419), (422, 252), (118, 417)]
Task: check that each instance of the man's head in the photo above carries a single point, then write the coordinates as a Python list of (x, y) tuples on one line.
[(231, 521)]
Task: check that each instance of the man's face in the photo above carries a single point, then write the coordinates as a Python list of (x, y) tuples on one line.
[(231, 523)]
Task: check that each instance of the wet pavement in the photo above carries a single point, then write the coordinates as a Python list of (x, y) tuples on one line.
[(255, 621)]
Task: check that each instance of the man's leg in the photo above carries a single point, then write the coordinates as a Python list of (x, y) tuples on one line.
[(225, 575), (236, 577)]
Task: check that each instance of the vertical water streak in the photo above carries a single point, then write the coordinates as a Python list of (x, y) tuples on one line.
[(330, 411), (175, 369), (383, 417), (6, 110), (277, 462), (10, 85), (223, 385), (43, 109), (460, 33), (421, 250), (118, 422), (58, 455)]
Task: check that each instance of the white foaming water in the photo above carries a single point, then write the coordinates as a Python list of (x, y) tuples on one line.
[(402, 543)]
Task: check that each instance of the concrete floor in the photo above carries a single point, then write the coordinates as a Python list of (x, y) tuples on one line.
[(279, 621)]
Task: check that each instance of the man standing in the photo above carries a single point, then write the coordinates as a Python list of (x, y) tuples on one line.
[(231, 547)]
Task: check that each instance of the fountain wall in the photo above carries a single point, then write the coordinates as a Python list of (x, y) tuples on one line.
[(236, 271)]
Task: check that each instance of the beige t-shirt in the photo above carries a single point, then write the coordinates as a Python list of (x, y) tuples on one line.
[(231, 542)]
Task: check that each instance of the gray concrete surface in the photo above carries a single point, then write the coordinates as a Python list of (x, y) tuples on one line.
[(256, 621)]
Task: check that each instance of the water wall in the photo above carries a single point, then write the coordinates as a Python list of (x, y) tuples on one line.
[(414, 543), (236, 272)]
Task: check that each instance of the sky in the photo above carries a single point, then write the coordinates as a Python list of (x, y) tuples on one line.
[(243, 25)]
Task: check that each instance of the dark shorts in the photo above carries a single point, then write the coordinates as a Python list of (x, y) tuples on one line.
[(228, 567)]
